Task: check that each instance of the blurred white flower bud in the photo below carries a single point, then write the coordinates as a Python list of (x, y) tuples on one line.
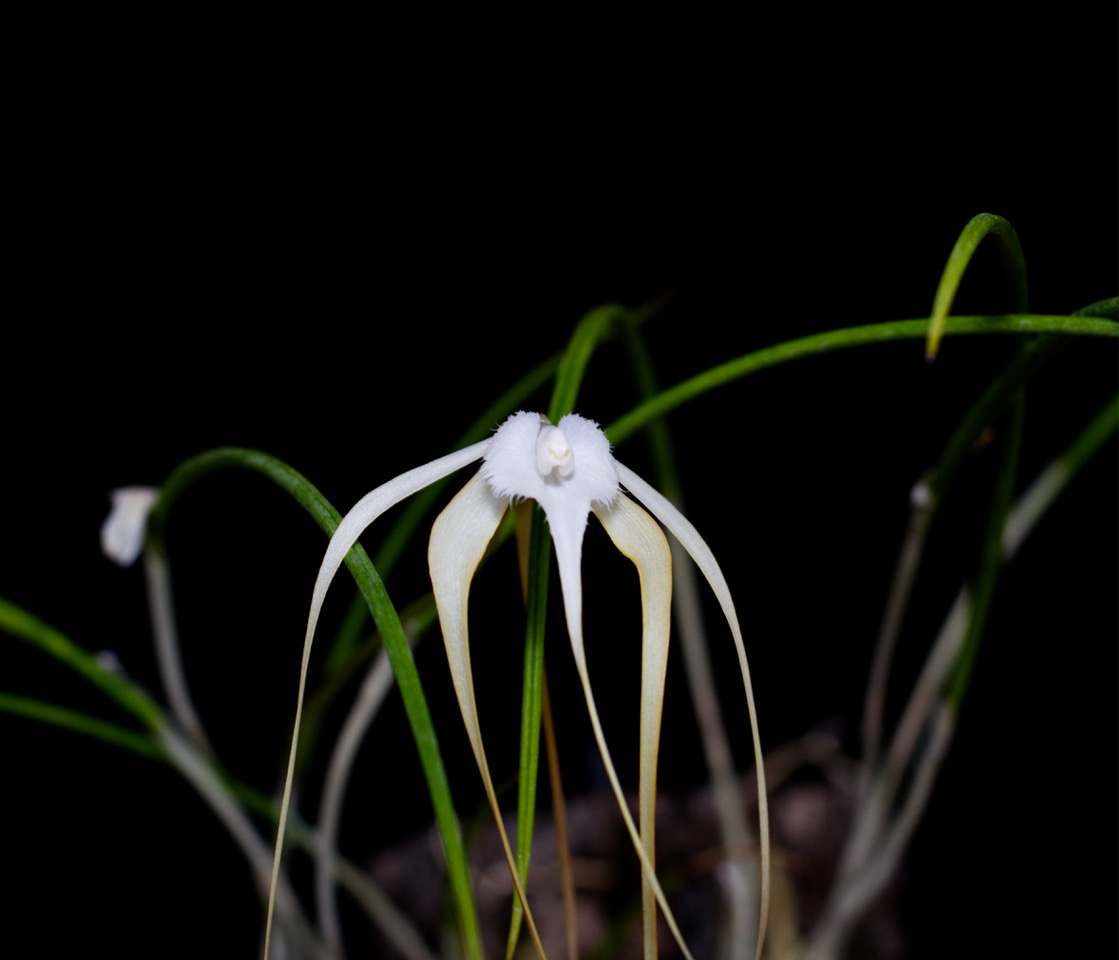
[(122, 533)]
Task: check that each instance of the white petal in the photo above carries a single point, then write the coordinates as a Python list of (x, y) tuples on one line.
[(638, 536), (594, 471), (458, 539), (689, 537), (124, 529)]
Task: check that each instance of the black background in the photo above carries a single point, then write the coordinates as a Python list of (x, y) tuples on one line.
[(338, 250)]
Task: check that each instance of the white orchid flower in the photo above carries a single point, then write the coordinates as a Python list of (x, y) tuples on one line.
[(568, 469), (124, 529)]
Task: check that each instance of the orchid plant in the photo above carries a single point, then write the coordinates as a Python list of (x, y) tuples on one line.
[(568, 470), (564, 464)]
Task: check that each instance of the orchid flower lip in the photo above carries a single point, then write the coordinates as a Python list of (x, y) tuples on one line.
[(567, 466)]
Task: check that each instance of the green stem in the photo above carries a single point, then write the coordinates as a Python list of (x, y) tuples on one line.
[(1049, 485), (1004, 391), (1013, 261), (925, 501), (991, 559), (1108, 309), (23, 625), (539, 565), (592, 330), (657, 435), (843, 339), (77, 722)]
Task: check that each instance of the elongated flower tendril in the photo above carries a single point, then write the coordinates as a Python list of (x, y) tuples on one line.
[(568, 469)]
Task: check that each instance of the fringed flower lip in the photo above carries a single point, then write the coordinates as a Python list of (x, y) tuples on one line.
[(569, 470)]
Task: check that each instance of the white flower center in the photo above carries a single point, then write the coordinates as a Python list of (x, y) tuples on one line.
[(530, 459), (553, 452)]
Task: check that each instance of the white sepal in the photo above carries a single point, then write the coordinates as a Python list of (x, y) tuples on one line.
[(458, 540), (372, 505), (697, 548), (353, 524), (639, 537)]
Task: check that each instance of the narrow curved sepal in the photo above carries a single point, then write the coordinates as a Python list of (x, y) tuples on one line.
[(639, 537), (682, 529)]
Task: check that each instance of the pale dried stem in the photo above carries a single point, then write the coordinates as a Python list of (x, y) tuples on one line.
[(377, 683), (157, 574), (200, 774), (909, 560)]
